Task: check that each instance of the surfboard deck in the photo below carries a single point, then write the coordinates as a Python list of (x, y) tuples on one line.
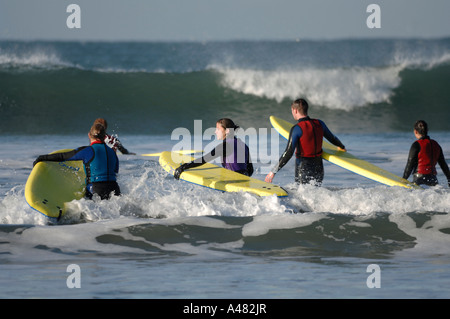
[(347, 160), (51, 185), (215, 177)]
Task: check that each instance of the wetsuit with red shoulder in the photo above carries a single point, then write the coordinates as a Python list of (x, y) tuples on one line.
[(306, 137), (310, 141), (424, 154)]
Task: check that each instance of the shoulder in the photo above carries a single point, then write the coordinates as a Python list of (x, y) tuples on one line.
[(84, 149), (111, 151), (296, 131), (434, 142), (415, 145), (322, 123), (296, 128), (240, 142)]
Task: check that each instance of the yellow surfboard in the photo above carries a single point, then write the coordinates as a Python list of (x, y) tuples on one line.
[(53, 184), (213, 176), (347, 160)]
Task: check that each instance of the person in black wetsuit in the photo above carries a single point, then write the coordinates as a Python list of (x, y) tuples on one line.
[(234, 153), (100, 162), (306, 137), (424, 154)]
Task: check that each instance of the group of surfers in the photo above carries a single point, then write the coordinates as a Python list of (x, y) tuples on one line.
[(305, 139)]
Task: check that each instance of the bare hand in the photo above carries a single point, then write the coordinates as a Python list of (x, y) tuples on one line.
[(269, 177)]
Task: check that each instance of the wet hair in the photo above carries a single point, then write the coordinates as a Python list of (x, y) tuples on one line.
[(98, 132), (300, 105), (421, 127), (227, 123), (101, 121)]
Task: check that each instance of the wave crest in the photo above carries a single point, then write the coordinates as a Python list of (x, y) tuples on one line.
[(337, 88), (36, 59)]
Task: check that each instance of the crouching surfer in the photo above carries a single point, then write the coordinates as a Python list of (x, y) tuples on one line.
[(234, 153), (101, 164)]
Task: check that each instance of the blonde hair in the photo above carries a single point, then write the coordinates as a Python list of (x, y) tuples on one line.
[(101, 121), (98, 132)]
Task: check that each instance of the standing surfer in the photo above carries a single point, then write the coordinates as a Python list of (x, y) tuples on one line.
[(424, 154), (305, 137)]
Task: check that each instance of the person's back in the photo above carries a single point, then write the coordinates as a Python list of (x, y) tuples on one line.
[(423, 156), (100, 162), (429, 153), (306, 138), (103, 164)]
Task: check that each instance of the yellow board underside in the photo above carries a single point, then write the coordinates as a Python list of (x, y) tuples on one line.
[(213, 176), (347, 160), (53, 184)]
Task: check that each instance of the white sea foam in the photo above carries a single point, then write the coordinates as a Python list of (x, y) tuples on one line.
[(262, 224), (340, 88), (149, 192), (36, 59), (336, 87), (367, 201), (429, 237), (419, 59)]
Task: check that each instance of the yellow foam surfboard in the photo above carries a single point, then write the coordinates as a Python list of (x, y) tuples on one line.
[(347, 160), (213, 176), (53, 184)]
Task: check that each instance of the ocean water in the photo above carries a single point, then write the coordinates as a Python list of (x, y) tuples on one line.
[(166, 239)]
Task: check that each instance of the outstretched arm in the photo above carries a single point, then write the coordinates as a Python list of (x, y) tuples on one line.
[(197, 162), (333, 139), (294, 136), (59, 157)]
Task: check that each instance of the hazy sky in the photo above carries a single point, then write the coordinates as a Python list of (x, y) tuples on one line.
[(203, 20)]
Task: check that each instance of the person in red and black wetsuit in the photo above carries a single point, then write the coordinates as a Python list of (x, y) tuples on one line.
[(306, 137), (424, 154)]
